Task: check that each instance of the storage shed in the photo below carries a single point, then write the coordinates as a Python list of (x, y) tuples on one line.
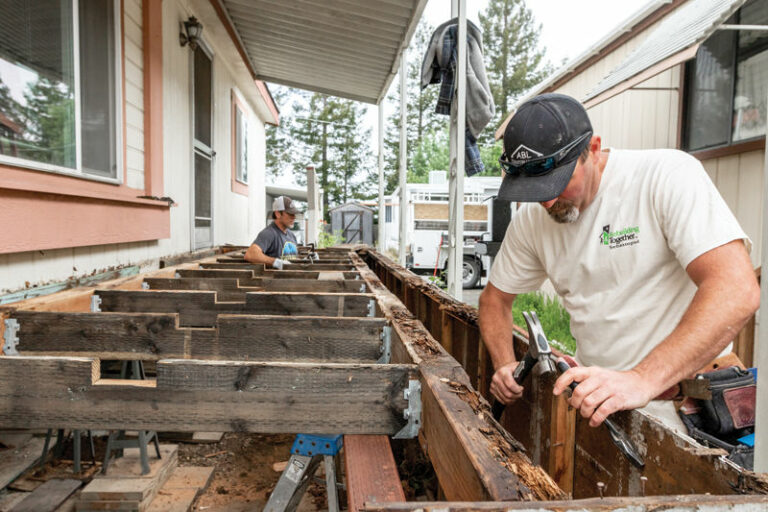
[(354, 222)]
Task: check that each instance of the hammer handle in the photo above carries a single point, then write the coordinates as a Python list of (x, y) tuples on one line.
[(520, 373)]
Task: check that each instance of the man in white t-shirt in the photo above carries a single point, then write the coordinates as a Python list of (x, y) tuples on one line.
[(649, 261)]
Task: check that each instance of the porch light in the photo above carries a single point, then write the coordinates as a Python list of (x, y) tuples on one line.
[(191, 33)]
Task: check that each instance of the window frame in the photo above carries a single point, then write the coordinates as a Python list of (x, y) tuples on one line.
[(238, 185), (731, 146), (118, 114)]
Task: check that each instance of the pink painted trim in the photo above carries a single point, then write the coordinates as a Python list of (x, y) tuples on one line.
[(33, 221), (152, 20), (268, 100), (15, 178)]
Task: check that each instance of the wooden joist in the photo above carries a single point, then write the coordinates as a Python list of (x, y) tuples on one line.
[(686, 503), (237, 283), (200, 308), (190, 395), (154, 336), (315, 267), (371, 471)]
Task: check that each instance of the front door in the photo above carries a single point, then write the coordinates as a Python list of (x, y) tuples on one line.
[(202, 142), (352, 224)]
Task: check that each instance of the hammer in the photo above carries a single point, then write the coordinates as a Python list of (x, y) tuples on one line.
[(540, 352)]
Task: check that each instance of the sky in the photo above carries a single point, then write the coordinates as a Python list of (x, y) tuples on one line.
[(568, 29)]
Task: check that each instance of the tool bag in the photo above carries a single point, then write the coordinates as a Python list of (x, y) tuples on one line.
[(728, 414)]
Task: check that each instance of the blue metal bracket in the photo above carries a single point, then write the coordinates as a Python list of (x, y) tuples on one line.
[(311, 445)]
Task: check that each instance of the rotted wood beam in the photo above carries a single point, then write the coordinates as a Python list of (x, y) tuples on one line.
[(155, 336), (189, 395)]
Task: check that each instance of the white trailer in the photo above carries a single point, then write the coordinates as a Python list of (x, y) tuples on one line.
[(427, 225)]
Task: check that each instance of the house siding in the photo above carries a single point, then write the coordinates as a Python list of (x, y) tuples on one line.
[(237, 218)]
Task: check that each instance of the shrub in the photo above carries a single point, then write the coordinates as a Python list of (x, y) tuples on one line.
[(554, 318)]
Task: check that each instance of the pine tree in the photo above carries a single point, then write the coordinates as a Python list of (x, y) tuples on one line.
[(279, 159), (421, 118), (514, 60), (49, 115)]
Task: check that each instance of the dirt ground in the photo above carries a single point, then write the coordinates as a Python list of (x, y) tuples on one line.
[(244, 476)]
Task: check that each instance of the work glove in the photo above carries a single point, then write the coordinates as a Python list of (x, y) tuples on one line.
[(314, 256), (278, 263)]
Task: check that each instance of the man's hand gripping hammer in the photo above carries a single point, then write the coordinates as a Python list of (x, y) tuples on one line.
[(539, 352)]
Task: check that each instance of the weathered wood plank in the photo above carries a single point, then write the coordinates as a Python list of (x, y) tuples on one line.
[(297, 303), (371, 472), (276, 338), (121, 335), (245, 278), (207, 395), (200, 309), (314, 267), (227, 289), (686, 503), (48, 496), (154, 336), (308, 274)]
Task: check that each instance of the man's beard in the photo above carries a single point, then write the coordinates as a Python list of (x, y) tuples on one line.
[(563, 211)]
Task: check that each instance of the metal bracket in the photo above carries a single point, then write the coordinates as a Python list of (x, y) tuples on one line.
[(357, 277), (371, 307), (95, 303), (11, 336), (413, 412), (362, 288), (144, 285), (176, 275), (386, 345)]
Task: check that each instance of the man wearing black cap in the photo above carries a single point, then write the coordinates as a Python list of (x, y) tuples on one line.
[(276, 241), (649, 261)]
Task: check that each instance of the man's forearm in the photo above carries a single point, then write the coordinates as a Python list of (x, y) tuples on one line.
[(707, 326), (727, 296)]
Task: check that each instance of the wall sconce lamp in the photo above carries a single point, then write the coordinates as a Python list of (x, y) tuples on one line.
[(191, 33)]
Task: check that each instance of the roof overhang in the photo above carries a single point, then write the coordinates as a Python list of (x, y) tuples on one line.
[(346, 48), (675, 40), (298, 194)]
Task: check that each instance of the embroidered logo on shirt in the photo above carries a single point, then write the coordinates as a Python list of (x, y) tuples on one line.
[(621, 238), (524, 153)]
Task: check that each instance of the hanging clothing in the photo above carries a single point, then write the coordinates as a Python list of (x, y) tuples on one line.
[(439, 66)]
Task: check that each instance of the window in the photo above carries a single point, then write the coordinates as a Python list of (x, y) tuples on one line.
[(58, 92), (241, 146), (388, 213), (726, 85)]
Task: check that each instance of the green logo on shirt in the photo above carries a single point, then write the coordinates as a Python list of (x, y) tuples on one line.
[(621, 238)]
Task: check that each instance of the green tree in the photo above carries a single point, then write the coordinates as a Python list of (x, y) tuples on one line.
[(279, 160), (328, 131), (514, 60), (421, 118), (49, 115)]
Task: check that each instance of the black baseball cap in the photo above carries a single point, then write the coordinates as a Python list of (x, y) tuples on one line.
[(542, 144)]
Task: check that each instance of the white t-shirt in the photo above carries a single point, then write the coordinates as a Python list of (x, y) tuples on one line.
[(620, 268)]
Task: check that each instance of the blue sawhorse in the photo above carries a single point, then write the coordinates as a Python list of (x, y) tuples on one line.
[(306, 453)]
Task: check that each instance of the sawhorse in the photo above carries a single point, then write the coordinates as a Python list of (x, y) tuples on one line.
[(306, 453)]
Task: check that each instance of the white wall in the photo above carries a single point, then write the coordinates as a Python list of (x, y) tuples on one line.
[(134, 94)]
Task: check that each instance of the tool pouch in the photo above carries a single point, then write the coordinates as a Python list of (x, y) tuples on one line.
[(731, 410)]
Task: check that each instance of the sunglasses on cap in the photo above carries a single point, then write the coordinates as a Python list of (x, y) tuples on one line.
[(542, 165)]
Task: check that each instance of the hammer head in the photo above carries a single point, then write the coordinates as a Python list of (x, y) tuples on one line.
[(538, 345)]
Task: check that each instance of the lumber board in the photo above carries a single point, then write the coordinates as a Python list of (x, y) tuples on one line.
[(256, 267), (227, 290), (121, 335), (200, 308), (246, 279), (371, 471), (298, 303), (15, 460), (483, 462), (681, 503), (48, 496), (154, 336), (276, 338), (194, 395), (310, 274)]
